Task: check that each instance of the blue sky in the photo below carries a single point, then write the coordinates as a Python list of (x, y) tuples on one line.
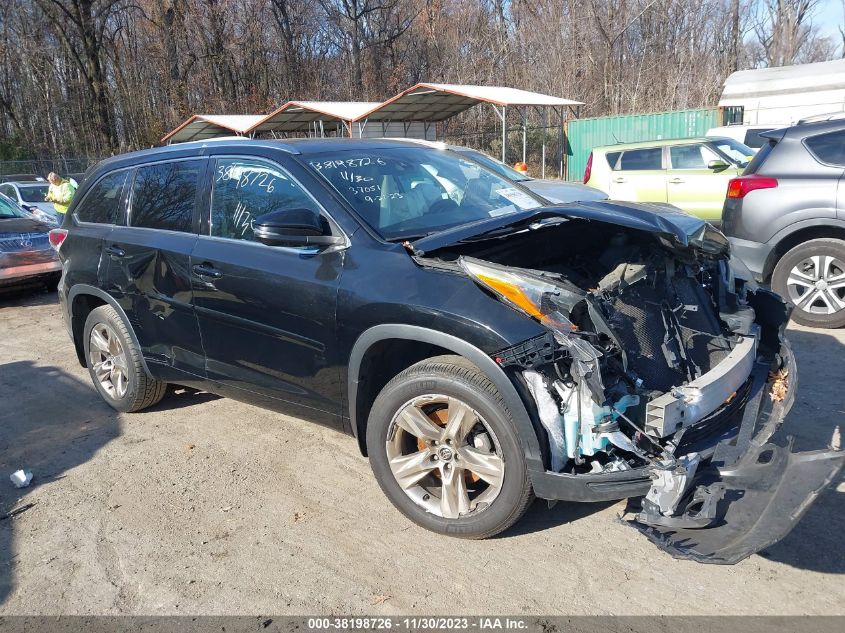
[(829, 18)]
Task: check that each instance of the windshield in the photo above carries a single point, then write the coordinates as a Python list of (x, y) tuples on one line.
[(494, 165), (9, 209), (33, 193), (739, 153), (410, 192)]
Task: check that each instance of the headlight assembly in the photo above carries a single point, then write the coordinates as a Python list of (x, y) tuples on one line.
[(530, 294)]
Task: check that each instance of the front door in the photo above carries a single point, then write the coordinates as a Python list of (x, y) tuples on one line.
[(692, 185), (639, 176), (266, 313), (148, 266)]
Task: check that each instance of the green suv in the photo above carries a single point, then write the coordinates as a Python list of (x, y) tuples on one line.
[(690, 173)]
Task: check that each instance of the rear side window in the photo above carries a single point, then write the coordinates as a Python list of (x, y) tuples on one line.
[(245, 189), (102, 202), (642, 159), (612, 157), (164, 195), (760, 158), (828, 148)]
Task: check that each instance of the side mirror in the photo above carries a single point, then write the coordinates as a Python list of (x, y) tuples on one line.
[(717, 165), (293, 227)]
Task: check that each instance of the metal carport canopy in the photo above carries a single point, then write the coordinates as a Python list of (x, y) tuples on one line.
[(432, 103), (296, 116), (438, 102), (200, 127)]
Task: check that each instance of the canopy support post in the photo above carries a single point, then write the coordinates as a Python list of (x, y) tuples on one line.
[(562, 142), (504, 118), (524, 117), (544, 123)]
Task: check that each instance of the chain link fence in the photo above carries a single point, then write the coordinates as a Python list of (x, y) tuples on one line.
[(9, 169)]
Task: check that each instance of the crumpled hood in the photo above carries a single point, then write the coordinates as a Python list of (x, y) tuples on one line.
[(680, 228)]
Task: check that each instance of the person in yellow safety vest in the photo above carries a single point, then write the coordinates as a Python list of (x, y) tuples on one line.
[(60, 193)]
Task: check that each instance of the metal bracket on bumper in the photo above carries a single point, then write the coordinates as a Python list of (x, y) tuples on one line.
[(752, 492)]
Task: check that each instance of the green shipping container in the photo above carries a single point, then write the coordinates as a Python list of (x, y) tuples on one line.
[(582, 135)]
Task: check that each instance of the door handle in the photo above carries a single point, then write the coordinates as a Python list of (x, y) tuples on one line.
[(676, 181), (115, 252), (619, 180), (205, 270)]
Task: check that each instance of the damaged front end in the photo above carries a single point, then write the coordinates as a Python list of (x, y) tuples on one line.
[(663, 376)]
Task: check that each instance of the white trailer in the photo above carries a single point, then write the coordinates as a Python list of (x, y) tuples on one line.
[(786, 94)]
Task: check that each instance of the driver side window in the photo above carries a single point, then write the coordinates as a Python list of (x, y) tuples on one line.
[(247, 188)]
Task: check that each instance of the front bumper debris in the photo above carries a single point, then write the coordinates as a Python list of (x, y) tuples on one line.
[(684, 406), (751, 492)]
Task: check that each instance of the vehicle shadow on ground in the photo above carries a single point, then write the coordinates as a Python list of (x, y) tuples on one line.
[(178, 397), (29, 296), (50, 423), (541, 517), (815, 543)]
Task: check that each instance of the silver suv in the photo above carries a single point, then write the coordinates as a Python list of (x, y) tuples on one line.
[(785, 218)]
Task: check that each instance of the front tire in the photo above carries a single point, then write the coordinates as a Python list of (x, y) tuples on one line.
[(444, 450), (811, 277), (114, 363)]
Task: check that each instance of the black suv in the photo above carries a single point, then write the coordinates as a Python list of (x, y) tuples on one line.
[(482, 348)]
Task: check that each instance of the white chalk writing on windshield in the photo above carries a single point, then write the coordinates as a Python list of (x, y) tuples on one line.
[(349, 162), (353, 177)]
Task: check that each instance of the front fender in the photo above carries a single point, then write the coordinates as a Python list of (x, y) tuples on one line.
[(516, 405)]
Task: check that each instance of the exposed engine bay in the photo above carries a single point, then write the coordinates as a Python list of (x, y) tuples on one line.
[(630, 320), (652, 352)]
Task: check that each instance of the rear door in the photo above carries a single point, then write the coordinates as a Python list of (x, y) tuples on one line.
[(692, 186), (148, 265), (94, 217), (267, 313), (639, 175)]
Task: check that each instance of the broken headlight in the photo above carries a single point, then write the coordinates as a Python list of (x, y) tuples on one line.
[(531, 294)]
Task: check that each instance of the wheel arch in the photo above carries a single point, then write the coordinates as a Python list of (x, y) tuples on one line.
[(440, 343), (797, 234), (81, 300)]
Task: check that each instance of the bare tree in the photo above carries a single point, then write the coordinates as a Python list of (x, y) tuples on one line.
[(98, 76), (362, 24), (784, 30)]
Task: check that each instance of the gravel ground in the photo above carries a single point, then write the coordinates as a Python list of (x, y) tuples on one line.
[(207, 506)]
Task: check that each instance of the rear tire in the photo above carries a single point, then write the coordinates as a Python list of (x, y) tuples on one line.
[(811, 276), (479, 457), (114, 363)]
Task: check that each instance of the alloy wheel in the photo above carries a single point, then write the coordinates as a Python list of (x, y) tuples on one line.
[(444, 456), (108, 360), (817, 285)]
